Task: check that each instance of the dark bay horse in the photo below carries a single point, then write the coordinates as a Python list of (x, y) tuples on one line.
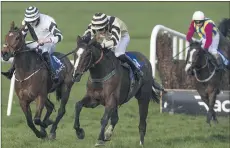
[(109, 85), (200, 62), (224, 44), (33, 82)]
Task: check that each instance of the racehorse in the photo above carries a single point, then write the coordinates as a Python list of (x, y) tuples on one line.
[(33, 82), (111, 84), (224, 44), (200, 63)]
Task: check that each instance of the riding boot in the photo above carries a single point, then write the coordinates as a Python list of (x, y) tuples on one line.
[(51, 70), (10, 72), (220, 65), (137, 71)]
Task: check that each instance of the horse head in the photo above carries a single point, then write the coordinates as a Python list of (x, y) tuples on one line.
[(195, 56), (88, 55), (14, 42)]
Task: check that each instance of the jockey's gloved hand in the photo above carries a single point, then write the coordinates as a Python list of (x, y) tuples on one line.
[(38, 50), (41, 42)]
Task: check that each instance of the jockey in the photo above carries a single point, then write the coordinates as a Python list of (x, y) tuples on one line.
[(208, 32), (44, 32), (114, 35)]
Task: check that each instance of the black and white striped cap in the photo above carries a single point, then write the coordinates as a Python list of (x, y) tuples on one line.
[(99, 21), (31, 14)]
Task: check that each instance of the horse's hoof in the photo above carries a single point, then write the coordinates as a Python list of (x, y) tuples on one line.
[(141, 144), (215, 121), (108, 136), (108, 133), (52, 136), (80, 133), (43, 134), (100, 143)]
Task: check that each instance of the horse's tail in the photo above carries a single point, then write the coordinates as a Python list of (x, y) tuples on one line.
[(224, 27), (156, 93)]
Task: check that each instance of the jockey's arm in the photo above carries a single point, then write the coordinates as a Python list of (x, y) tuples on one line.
[(190, 32), (115, 38), (89, 31), (56, 32), (208, 32)]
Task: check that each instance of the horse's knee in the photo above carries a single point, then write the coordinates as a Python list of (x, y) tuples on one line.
[(37, 121)]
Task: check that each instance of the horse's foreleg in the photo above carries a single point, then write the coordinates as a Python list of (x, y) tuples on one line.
[(49, 107), (40, 103), (85, 102), (61, 111), (211, 112), (109, 108), (27, 111), (114, 119)]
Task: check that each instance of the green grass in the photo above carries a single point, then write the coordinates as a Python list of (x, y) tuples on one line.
[(163, 131)]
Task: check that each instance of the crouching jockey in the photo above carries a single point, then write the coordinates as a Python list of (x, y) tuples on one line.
[(208, 32), (115, 37)]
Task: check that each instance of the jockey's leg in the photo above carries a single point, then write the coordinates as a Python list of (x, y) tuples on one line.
[(120, 54), (135, 68), (10, 72), (47, 50), (213, 50)]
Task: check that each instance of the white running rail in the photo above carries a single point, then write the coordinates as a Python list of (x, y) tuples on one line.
[(176, 47)]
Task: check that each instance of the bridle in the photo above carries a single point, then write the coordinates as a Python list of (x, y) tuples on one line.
[(91, 58)]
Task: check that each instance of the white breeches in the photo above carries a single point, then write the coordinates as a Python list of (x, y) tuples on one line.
[(214, 46), (122, 45)]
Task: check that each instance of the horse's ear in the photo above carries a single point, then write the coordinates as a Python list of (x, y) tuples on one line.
[(92, 41), (23, 25), (79, 39), (12, 25)]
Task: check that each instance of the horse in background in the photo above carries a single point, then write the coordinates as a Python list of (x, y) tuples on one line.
[(200, 64), (224, 44), (33, 81)]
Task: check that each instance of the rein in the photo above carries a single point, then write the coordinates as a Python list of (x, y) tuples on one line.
[(205, 65)]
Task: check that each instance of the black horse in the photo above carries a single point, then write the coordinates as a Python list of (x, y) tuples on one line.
[(200, 63), (111, 85), (33, 82), (224, 44)]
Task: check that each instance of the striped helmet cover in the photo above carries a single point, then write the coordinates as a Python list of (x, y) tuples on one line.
[(99, 21), (31, 14)]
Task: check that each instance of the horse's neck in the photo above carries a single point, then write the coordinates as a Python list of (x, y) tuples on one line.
[(206, 68), (26, 62), (103, 68)]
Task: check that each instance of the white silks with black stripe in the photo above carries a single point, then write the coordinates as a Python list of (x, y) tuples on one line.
[(115, 37), (46, 28)]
